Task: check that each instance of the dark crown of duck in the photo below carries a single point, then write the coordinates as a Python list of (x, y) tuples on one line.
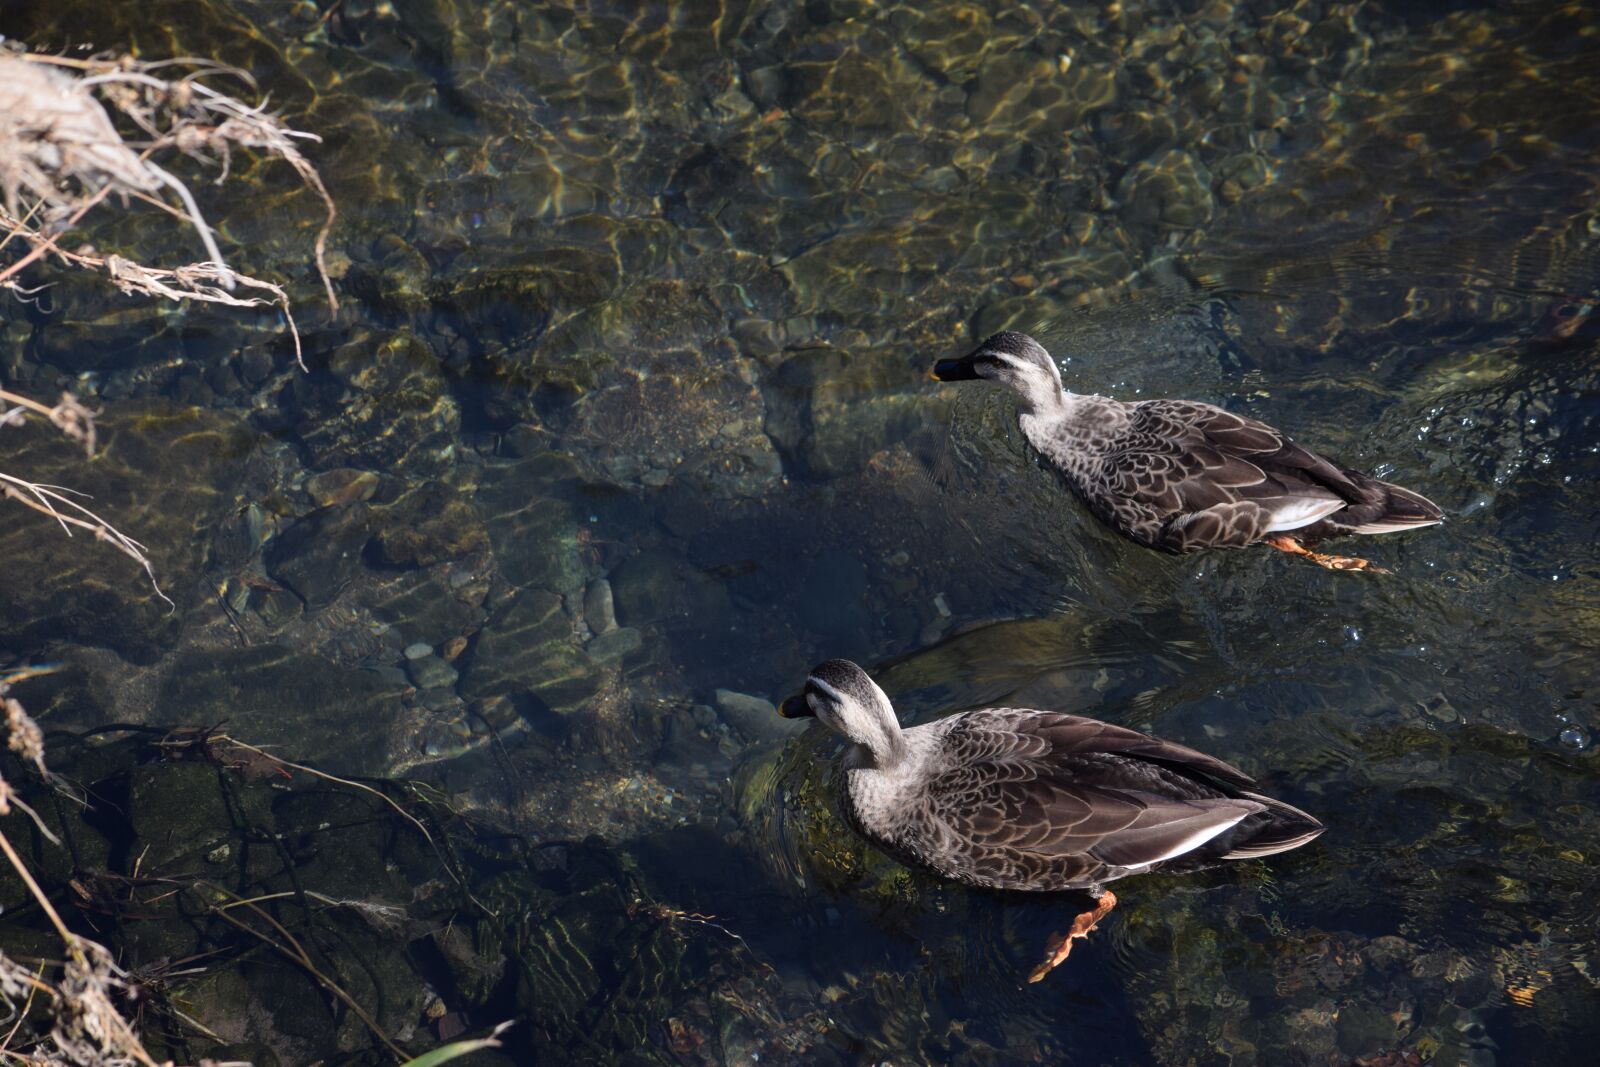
[(1005, 349)]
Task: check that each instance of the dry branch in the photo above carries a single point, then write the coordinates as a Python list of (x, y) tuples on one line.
[(59, 146), (86, 1029), (61, 155)]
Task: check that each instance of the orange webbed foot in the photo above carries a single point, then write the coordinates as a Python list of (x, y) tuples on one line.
[(1061, 945), (1285, 543)]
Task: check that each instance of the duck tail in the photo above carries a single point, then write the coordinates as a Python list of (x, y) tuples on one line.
[(1397, 509), (1281, 828)]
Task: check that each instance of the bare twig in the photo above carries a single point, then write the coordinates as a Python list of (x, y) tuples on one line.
[(77, 422), (87, 1029), (291, 949), (48, 500), (219, 739), (42, 245), (68, 416)]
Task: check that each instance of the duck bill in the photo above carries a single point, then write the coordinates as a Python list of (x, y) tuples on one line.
[(796, 708), (954, 370)]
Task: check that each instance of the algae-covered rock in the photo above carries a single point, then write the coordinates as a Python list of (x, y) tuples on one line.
[(429, 525), (529, 652), (536, 532), (614, 644), (394, 414), (183, 811), (322, 553), (1171, 190), (431, 672)]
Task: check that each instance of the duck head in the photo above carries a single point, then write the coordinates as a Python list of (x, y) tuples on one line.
[(1016, 361), (849, 703)]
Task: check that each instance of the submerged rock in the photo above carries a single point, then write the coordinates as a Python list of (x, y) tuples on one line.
[(599, 609), (1172, 190), (756, 718), (321, 553), (435, 605), (535, 531), (431, 672), (614, 644), (528, 652), (296, 704), (429, 525), (395, 413), (343, 485), (657, 586)]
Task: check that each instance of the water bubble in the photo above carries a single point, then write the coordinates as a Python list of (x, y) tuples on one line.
[(1574, 737), (1352, 635)]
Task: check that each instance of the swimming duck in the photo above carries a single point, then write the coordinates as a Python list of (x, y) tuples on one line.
[(1180, 475), (1012, 798)]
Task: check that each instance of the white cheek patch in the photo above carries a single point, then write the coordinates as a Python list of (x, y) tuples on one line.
[(833, 694), (1008, 361)]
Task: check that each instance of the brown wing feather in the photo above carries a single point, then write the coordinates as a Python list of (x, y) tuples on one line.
[(1074, 733), (1186, 476), (1045, 800)]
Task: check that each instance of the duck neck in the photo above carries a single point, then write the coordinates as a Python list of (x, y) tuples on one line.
[(1042, 398), (880, 743)]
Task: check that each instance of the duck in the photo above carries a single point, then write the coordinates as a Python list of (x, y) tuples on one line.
[(1182, 476), (1038, 801)]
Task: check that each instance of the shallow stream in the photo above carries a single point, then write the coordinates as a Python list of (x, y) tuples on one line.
[(626, 423)]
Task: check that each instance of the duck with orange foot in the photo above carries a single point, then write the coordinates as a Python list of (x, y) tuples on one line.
[(1039, 801), (1180, 475)]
